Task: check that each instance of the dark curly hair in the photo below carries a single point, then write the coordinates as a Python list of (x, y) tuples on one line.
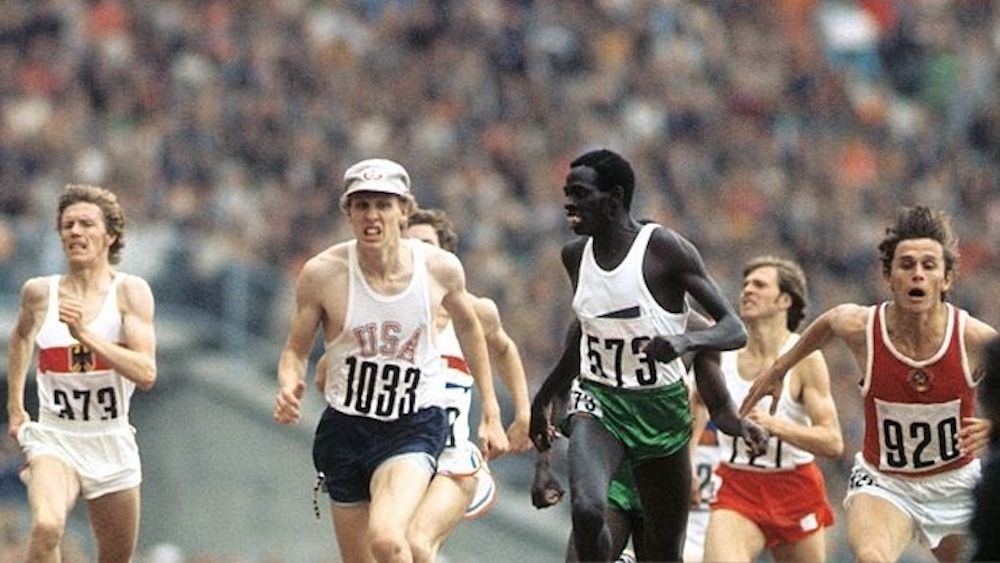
[(612, 170), (920, 222)]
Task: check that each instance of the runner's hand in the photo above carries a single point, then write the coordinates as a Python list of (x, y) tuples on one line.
[(755, 436), (770, 382), (492, 439), (974, 436), (517, 435), (288, 403), (540, 430), (546, 490)]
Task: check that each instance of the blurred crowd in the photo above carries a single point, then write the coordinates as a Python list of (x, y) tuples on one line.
[(793, 127)]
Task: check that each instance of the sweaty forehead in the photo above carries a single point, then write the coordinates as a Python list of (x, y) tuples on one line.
[(370, 197), (919, 248), (582, 176), (768, 274), (83, 210)]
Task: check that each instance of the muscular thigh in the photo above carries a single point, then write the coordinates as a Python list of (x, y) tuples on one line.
[(350, 525), (594, 455), (53, 487), (115, 520), (664, 486), (866, 513), (443, 506), (732, 537), (397, 487)]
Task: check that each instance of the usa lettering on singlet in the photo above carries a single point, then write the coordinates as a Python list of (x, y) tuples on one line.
[(619, 315), (914, 409), (384, 364), (780, 455), (457, 385), (75, 384)]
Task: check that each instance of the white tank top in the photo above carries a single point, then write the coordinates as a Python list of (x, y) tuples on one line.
[(384, 364), (76, 387), (457, 385), (618, 315), (780, 454)]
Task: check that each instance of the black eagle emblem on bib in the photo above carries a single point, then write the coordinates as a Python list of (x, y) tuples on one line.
[(81, 358), (920, 380)]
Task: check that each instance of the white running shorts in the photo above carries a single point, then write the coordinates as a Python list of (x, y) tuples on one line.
[(105, 461), (940, 505)]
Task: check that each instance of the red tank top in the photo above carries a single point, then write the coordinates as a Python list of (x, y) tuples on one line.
[(914, 409)]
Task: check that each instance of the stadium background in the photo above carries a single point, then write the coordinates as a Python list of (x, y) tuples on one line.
[(792, 127)]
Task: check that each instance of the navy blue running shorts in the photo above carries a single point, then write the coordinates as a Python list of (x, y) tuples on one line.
[(348, 449)]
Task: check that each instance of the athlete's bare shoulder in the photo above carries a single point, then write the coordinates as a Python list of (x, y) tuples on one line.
[(327, 269), (331, 261), (487, 312), (35, 293), (849, 321), (572, 254), (977, 336), (672, 248), (134, 291), (443, 266)]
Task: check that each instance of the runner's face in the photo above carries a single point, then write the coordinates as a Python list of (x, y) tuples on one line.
[(84, 235), (585, 201), (375, 217), (425, 233), (761, 296), (917, 276)]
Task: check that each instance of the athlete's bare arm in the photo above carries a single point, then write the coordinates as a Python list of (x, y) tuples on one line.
[(845, 322), (448, 273), (567, 367), (505, 356), (974, 435), (714, 397), (135, 359), (313, 306), (977, 336), (823, 436), (678, 270), (30, 314), (558, 380)]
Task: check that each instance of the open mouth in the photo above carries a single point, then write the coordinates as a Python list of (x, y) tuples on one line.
[(917, 292), (573, 215), (372, 231)]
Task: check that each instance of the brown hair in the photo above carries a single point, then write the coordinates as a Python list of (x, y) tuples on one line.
[(920, 222), (441, 224), (114, 216), (791, 280)]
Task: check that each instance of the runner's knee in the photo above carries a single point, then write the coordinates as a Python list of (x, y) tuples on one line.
[(588, 515), (114, 552), (870, 554), (422, 549), (47, 531), (387, 545)]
